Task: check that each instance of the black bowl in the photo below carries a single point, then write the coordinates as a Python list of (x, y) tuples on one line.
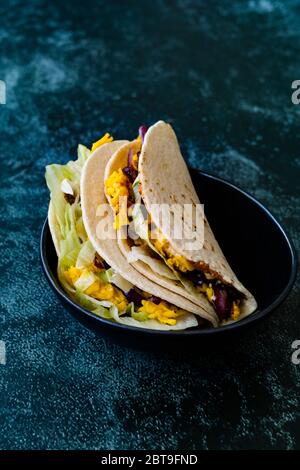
[(255, 244)]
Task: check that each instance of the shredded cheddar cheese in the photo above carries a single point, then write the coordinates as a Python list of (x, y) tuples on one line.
[(135, 161), (161, 312), (210, 293), (180, 262), (117, 188), (72, 275), (173, 260), (236, 311), (104, 140), (98, 289)]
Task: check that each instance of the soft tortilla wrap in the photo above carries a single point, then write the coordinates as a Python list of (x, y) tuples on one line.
[(164, 178)]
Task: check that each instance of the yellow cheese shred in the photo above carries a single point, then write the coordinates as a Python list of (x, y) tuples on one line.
[(161, 312), (117, 189)]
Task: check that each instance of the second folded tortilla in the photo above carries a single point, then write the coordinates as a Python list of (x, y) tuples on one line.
[(155, 173)]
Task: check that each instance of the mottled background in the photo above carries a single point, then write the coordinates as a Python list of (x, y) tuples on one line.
[(221, 72)]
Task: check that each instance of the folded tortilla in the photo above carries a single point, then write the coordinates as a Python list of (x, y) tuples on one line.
[(156, 175)]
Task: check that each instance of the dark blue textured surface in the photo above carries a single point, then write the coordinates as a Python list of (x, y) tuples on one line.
[(221, 72)]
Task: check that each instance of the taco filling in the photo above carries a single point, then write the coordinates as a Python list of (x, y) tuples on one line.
[(225, 298)]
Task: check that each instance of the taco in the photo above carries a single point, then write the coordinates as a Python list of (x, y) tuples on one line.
[(91, 268), (154, 174)]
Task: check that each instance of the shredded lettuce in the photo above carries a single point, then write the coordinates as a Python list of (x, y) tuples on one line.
[(83, 154), (140, 316), (139, 222), (106, 275), (84, 300), (86, 255), (95, 306), (54, 176), (136, 182), (86, 279), (186, 320), (139, 214)]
